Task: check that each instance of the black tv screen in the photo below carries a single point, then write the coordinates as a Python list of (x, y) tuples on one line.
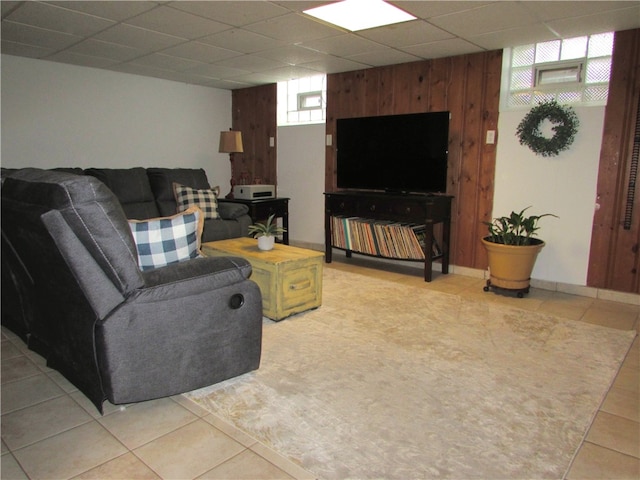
[(395, 153)]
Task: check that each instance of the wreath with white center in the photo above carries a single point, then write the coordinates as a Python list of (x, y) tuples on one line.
[(564, 129)]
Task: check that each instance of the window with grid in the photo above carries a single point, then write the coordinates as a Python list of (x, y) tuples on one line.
[(571, 71), (302, 101)]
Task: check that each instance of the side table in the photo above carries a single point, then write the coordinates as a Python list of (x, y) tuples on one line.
[(262, 208)]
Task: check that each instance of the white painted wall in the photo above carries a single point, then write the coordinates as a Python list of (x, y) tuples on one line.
[(301, 160), (55, 114), (564, 185)]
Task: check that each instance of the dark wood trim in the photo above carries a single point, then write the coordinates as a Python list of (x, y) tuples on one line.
[(614, 258)]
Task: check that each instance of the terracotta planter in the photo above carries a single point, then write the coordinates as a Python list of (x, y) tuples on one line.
[(266, 242), (510, 266)]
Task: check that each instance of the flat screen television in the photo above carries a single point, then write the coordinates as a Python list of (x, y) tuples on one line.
[(394, 153)]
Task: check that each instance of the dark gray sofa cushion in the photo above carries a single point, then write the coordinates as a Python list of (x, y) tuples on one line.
[(162, 179), (92, 211), (233, 222), (232, 211), (131, 186)]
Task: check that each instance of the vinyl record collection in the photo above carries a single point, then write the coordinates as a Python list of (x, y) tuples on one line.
[(383, 238)]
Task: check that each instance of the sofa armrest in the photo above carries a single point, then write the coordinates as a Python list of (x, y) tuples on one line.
[(205, 272)]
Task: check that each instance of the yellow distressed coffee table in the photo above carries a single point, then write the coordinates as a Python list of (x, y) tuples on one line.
[(290, 278)]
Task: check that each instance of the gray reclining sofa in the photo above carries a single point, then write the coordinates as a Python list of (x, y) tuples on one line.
[(72, 288)]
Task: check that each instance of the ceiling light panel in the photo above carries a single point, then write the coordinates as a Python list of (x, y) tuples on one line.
[(357, 15)]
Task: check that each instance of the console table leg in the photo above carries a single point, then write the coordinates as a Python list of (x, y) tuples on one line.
[(428, 251), (446, 237)]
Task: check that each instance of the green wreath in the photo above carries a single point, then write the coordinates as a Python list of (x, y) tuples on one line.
[(565, 128)]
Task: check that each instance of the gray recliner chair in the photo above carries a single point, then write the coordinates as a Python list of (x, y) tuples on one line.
[(114, 331)]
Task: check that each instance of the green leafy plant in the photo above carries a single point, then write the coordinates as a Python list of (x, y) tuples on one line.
[(268, 229), (565, 127), (516, 229)]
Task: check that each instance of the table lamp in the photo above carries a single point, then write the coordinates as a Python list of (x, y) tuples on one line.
[(231, 142)]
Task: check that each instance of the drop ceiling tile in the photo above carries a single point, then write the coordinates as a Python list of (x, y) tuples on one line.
[(111, 10), (236, 13), (217, 71), (251, 63), (407, 33), (98, 48), (7, 6), (484, 19), (182, 77), (278, 34), (299, 6), (554, 10), (343, 45), (384, 57), (21, 50), (276, 75), (176, 22), (228, 84), (436, 8), (242, 41), (167, 62), (513, 37), (140, 38), (292, 55), (201, 52), (330, 64), (58, 19), (622, 19), (144, 71), (290, 72), (442, 48), (37, 37), (254, 79), (72, 58), (293, 28)]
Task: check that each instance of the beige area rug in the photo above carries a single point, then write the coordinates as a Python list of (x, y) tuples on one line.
[(396, 382)]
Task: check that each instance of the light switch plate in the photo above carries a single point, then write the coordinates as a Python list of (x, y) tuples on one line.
[(491, 137)]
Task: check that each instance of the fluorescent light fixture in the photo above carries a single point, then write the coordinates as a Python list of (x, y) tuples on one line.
[(357, 15)]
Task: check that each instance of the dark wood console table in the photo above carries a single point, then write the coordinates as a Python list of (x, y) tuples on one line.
[(261, 208), (410, 208)]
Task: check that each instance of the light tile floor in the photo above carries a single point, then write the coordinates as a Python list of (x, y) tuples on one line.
[(51, 431)]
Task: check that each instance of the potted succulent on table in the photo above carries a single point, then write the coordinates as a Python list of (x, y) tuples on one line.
[(512, 251), (266, 233)]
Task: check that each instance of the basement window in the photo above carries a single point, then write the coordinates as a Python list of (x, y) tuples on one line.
[(310, 101), (572, 71), (302, 101)]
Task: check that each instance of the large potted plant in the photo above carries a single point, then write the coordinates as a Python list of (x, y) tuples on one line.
[(512, 251), (266, 233)]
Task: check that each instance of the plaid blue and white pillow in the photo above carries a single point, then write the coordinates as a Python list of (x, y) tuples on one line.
[(167, 240), (205, 199)]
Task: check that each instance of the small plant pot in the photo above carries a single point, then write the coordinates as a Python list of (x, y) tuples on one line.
[(266, 242), (510, 266)]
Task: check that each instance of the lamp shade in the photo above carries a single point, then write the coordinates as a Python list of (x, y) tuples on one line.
[(230, 142)]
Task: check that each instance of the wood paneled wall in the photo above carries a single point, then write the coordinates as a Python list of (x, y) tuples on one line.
[(615, 254), (469, 87), (254, 113)]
